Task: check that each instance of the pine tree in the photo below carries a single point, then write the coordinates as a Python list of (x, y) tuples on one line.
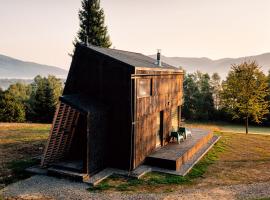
[(191, 96), (92, 25), (44, 98), (198, 97)]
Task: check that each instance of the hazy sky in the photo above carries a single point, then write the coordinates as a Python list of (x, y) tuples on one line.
[(43, 30)]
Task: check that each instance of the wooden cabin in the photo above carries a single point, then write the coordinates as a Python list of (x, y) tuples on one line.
[(117, 108)]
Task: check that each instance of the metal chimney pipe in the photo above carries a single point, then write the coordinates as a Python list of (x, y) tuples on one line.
[(159, 57)]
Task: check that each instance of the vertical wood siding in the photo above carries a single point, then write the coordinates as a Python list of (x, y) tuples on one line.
[(166, 94)]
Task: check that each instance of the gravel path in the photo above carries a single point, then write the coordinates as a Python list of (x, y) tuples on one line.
[(44, 187)]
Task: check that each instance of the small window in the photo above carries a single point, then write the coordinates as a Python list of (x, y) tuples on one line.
[(144, 88)]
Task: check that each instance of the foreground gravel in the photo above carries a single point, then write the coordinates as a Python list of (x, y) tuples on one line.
[(44, 187)]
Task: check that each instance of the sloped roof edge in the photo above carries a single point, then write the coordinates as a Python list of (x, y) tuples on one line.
[(130, 58)]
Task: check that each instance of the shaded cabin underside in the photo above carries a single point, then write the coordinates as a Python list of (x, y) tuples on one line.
[(86, 139)]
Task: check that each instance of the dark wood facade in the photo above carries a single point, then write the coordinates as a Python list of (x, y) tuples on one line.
[(138, 105)]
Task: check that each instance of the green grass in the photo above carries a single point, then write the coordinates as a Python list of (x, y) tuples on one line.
[(18, 170), (200, 168), (229, 127), (267, 198), (19, 143), (156, 180)]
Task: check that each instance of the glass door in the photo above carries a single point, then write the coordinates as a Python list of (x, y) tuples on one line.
[(159, 132)]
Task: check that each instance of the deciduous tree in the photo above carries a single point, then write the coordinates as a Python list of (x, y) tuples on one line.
[(216, 89), (11, 109), (245, 91)]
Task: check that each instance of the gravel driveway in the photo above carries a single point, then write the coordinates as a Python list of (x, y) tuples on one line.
[(44, 187)]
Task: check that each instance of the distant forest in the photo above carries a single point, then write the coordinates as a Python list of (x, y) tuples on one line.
[(206, 97), (32, 102), (6, 82)]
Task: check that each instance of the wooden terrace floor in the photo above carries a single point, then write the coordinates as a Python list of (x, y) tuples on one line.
[(174, 155)]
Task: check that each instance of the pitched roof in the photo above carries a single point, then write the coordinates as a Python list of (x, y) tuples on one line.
[(131, 58)]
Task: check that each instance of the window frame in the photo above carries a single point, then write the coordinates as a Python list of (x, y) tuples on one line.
[(149, 91)]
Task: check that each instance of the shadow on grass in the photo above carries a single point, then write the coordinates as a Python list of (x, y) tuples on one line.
[(153, 179), (18, 170)]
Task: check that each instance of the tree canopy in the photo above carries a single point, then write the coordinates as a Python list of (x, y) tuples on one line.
[(11, 110), (44, 98), (35, 102), (198, 97), (245, 91)]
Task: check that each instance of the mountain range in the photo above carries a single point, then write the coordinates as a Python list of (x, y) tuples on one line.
[(12, 68), (221, 66)]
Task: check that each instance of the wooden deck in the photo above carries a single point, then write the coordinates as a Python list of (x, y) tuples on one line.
[(174, 155)]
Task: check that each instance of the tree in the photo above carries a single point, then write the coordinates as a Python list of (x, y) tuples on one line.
[(216, 89), (205, 100), (268, 98), (198, 97), (11, 109), (20, 91), (245, 91), (92, 25), (14, 103), (44, 98), (191, 95)]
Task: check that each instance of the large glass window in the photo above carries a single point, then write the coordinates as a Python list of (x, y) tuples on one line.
[(144, 87)]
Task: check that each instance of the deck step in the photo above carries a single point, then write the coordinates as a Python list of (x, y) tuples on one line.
[(66, 174), (173, 156), (98, 177), (74, 166)]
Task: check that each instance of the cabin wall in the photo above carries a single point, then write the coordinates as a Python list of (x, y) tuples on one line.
[(97, 142), (166, 94), (109, 82)]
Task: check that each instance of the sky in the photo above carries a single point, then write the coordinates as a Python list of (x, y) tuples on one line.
[(43, 31)]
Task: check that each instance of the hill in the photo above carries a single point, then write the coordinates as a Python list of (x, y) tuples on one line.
[(221, 66), (11, 68)]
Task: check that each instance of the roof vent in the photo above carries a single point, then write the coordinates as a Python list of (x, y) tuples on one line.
[(159, 58)]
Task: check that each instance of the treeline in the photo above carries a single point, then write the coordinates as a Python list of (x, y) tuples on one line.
[(245, 94), (35, 102), (6, 82)]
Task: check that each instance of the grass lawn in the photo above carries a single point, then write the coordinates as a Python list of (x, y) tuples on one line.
[(235, 159), (19, 143), (227, 127)]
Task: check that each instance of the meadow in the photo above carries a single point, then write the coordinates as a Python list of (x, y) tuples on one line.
[(236, 159), (21, 146), (229, 127)]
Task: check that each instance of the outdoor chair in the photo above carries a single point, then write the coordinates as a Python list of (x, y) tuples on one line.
[(177, 136), (186, 132)]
